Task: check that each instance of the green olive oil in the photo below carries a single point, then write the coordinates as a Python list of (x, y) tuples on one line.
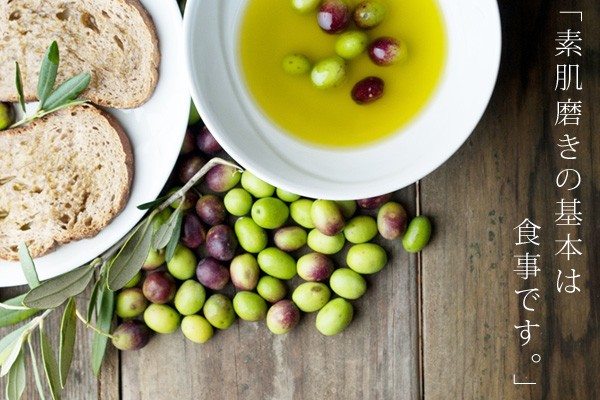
[(271, 29)]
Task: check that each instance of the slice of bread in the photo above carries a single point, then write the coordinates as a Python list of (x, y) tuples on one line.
[(63, 177), (114, 40)]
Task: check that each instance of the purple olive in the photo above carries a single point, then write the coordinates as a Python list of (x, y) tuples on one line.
[(221, 242), (159, 287), (212, 274), (188, 144), (211, 209), (193, 232), (386, 51), (314, 267), (374, 202), (131, 335), (189, 166), (282, 317), (367, 90), (221, 178), (392, 220), (333, 16), (206, 142)]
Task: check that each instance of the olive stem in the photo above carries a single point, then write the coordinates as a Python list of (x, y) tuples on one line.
[(42, 113), (91, 326)]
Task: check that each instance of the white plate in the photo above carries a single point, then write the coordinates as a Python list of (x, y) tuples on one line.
[(156, 131), (211, 32)]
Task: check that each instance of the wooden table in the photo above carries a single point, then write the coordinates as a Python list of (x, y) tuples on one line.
[(442, 325)]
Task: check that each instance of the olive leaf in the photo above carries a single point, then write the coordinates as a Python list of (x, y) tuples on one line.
[(105, 310), (131, 257), (54, 292), (92, 301), (15, 384), (36, 370), (48, 72), (50, 365), (172, 245), (165, 232), (19, 84), (153, 203), (8, 342), (28, 267), (68, 330), (67, 91), (10, 317)]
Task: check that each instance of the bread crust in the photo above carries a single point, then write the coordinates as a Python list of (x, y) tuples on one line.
[(94, 197)]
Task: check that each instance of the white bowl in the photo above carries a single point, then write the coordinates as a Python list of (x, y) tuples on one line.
[(211, 37)]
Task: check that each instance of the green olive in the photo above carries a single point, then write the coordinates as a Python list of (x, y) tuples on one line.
[(323, 243), (417, 234), (311, 296), (196, 328), (190, 297), (162, 318), (270, 212), (256, 186), (249, 306), (347, 283), (183, 263), (250, 236), (271, 289), (360, 229), (277, 263), (300, 212), (334, 317), (218, 310), (366, 258), (238, 202)]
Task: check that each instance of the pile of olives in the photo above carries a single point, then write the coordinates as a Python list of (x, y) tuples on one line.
[(252, 251), (336, 17)]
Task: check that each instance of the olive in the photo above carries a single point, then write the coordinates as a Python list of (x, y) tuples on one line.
[(333, 16), (417, 234), (296, 64), (189, 166), (249, 306), (161, 218), (194, 116), (327, 217), (368, 14), (290, 238), (351, 44), (6, 115), (182, 265), (250, 236), (270, 212), (193, 232), (189, 199), (300, 212), (218, 310), (188, 144), (221, 178), (221, 242), (211, 209), (190, 297), (347, 283), (392, 220), (196, 328), (282, 317), (323, 243), (244, 271), (277, 263), (130, 303), (305, 6), (256, 186), (334, 317), (348, 207), (212, 274), (286, 196), (372, 203), (271, 289), (311, 296), (206, 142), (314, 267), (130, 335), (328, 73), (238, 202), (366, 258), (360, 229), (162, 318), (155, 259), (137, 278), (159, 287), (386, 51), (367, 90)]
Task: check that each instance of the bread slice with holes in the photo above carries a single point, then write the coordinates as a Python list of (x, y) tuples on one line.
[(62, 178), (114, 40)]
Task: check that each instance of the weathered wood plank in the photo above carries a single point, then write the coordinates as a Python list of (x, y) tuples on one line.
[(505, 173), (375, 358)]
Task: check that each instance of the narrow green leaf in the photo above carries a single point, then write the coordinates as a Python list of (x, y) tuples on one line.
[(28, 266), (53, 292), (165, 232), (50, 366), (19, 83), (92, 302), (153, 203), (11, 317), (68, 330), (106, 300), (36, 370), (174, 240), (131, 257), (7, 342), (68, 90), (48, 71), (15, 384)]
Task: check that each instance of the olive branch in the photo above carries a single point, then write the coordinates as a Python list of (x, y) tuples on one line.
[(114, 269)]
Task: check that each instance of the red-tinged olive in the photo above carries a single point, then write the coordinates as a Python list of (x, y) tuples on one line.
[(367, 90), (282, 317), (188, 144), (206, 142), (221, 178), (333, 16), (212, 274), (221, 242), (193, 232), (159, 287), (368, 14), (211, 209), (371, 203), (131, 335), (386, 51), (189, 166)]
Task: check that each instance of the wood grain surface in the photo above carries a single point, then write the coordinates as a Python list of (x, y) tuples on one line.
[(443, 325)]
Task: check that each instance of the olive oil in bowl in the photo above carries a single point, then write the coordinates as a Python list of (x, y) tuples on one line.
[(272, 29)]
